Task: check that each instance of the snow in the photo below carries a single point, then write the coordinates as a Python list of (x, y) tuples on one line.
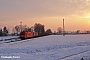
[(53, 47), (7, 37)]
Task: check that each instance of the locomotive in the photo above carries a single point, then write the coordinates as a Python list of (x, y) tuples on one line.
[(24, 35), (27, 34)]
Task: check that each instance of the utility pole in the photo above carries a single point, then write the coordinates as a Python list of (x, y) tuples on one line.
[(63, 28), (21, 26)]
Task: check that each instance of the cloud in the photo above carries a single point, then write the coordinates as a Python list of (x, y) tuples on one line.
[(42, 8)]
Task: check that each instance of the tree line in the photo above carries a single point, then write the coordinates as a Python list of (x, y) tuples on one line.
[(38, 28), (4, 31)]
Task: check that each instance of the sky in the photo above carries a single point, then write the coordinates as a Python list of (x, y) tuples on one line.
[(50, 13)]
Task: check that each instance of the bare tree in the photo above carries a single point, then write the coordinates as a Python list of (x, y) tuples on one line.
[(17, 28), (20, 28), (13, 31), (78, 31), (5, 31), (32, 28), (59, 30), (48, 31), (1, 33), (39, 28)]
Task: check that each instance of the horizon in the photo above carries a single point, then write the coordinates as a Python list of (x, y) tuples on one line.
[(49, 13)]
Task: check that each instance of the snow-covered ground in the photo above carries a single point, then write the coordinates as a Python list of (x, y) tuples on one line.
[(54, 47), (7, 37)]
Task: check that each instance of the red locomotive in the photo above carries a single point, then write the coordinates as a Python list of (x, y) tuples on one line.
[(27, 34), (24, 35)]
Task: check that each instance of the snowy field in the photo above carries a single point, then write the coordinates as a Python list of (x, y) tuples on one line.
[(54, 47), (7, 37)]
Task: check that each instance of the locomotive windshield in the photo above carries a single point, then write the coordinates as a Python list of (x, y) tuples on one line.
[(22, 33)]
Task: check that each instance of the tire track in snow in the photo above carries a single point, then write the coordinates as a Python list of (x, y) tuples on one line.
[(72, 55)]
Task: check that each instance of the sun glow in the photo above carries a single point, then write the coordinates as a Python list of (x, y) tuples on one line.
[(88, 16), (89, 22)]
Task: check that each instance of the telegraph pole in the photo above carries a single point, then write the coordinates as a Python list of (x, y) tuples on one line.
[(63, 28), (21, 26)]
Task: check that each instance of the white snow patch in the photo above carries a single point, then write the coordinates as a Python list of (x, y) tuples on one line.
[(54, 47)]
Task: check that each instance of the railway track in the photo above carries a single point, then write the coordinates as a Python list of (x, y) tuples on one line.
[(10, 40), (17, 39)]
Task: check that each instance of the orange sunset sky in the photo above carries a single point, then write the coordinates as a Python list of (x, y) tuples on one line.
[(48, 12)]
